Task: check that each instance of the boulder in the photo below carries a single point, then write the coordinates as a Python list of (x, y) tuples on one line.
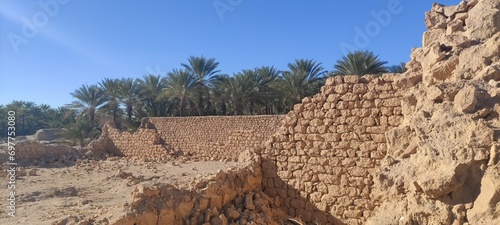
[(484, 20), (466, 99), (435, 20), (485, 209)]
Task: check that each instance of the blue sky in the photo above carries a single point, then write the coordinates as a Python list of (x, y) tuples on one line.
[(49, 48)]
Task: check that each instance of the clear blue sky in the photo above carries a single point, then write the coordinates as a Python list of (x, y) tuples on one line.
[(82, 42)]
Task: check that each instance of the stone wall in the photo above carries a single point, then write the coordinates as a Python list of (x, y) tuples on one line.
[(324, 157), (142, 144), (31, 150), (215, 137), (231, 196), (158, 139)]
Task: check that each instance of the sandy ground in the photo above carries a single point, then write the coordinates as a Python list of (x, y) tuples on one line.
[(92, 190)]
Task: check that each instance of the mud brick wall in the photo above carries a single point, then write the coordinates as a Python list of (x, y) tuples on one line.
[(199, 138), (214, 137), (329, 147), (29, 150), (232, 195), (142, 144)]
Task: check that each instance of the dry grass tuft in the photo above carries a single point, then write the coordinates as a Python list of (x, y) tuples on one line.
[(296, 221)]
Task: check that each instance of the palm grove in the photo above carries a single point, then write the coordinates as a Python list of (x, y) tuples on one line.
[(197, 88)]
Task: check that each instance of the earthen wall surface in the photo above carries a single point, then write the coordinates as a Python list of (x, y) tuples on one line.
[(216, 137), (329, 147), (199, 138), (231, 196), (28, 150), (142, 144)]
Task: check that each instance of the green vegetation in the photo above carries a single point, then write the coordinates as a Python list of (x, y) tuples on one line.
[(81, 132), (31, 117), (399, 68), (198, 88), (359, 63)]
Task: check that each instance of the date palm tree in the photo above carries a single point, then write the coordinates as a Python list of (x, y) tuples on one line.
[(112, 106), (89, 100), (49, 116), (204, 69), (218, 97), (181, 86), (31, 117), (304, 78), (359, 63), (399, 68), (240, 90), (28, 117), (153, 101), (128, 94), (81, 132), (269, 94), (65, 116)]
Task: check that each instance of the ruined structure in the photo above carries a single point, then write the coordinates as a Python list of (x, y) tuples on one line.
[(324, 157), (198, 138), (441, 165), (413, 148)]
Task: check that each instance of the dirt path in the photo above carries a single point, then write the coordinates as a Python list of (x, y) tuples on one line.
[(92, 190)]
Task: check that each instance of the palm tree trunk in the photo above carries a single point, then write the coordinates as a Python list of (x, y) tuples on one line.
[(191, 108), (239, 108), (92, 114), (182, 106), (199, 106), (210, 108), (251, 108), (223, 108), (129, 112), (115, 119)]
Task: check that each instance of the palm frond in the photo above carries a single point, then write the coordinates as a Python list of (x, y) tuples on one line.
[(399, 68), (359, 63)]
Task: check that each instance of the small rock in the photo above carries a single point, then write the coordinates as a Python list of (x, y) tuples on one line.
[(493, 83), (231, 213), (84, 202), (466, 99), (249, 201), (220, 220)]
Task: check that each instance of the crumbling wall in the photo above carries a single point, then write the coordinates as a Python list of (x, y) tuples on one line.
[(158, 139), (416, 148), (142, 144), (232, 196), (197, 138), (441, 165), (326, 153), (215, 137), (27, 151)]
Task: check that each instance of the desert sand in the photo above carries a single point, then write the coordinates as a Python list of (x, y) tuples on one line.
[(91, 190)]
